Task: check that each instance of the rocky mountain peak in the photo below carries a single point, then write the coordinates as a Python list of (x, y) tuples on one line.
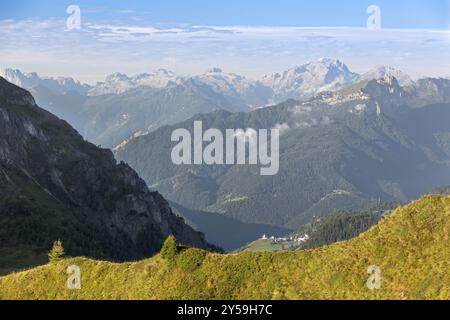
[(311, 78), (58, 85), (387, 92), (117, 76), (381, 71), (10, 94), (118, 83), (388, 84)]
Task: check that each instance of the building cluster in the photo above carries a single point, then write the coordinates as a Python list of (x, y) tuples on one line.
[(297, 239)]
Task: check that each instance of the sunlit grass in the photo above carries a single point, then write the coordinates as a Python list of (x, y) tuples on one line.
[(411, 246)]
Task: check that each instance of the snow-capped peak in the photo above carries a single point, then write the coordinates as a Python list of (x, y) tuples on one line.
[(14, 76), (117, 76), (118, 83), (311, 78), (216, 77), (379, 72), (58, 85)]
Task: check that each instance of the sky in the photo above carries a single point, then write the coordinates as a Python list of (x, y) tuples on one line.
[(251, 37)]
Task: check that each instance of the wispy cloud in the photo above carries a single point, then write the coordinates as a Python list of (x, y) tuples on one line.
[(99, 48)]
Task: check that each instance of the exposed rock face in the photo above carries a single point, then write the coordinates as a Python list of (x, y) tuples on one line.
[(54, 185), (386, 92)]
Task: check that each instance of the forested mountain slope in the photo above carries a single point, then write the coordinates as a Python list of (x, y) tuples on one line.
[(55, 185)]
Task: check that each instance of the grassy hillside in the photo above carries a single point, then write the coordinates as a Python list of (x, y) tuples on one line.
[(411, 246)]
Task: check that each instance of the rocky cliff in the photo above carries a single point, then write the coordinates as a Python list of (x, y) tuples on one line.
[(54, 185)]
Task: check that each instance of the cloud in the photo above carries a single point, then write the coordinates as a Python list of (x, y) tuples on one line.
[(124, 11), (101, 48), (282, 127), (249, 135)]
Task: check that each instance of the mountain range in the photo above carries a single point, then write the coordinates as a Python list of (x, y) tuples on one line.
[(347, 140), (58, 85), (346, 149), (111, 112), (118, 83)]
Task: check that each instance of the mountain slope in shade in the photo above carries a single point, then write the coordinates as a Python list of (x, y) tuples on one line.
[(428, 90), (54, 185), (445, 190), (347, 149), (410, 248)]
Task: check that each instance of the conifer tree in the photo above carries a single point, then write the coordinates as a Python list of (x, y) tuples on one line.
[(169, 249), (57, 252)]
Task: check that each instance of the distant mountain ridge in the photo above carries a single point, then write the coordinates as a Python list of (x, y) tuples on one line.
[(118, 83), (113, 111), (337, 150), (300, 82), (58, 85)]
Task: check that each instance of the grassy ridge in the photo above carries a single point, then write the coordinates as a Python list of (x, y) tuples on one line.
[(411, 246)]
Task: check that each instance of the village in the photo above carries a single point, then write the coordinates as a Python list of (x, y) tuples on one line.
[(272, 243), (286, 240)]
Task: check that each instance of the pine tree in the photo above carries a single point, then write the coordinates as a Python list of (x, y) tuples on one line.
[(57, 252), (169, 249)]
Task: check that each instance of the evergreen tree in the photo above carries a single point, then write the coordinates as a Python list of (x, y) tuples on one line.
[(57, 252), (169, 249)]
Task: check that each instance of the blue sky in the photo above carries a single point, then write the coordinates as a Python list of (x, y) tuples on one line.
[(396, 14), (250, 37)]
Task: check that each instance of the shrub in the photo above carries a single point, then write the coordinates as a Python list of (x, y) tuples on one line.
[(191, 259)]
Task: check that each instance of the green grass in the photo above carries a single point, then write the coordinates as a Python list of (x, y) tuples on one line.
[(411, 246), (266, 245), (261, 245)]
